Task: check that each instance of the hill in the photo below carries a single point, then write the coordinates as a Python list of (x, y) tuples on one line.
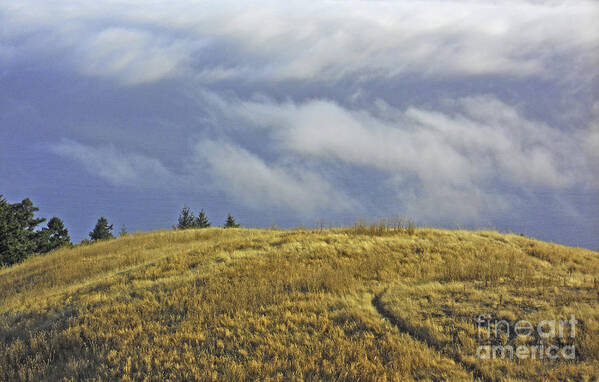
[(339, 304)]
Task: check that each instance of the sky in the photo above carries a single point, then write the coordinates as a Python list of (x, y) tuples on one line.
[(456, 114)]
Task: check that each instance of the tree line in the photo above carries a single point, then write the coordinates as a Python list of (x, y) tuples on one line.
[(20, 236), (187, 220)]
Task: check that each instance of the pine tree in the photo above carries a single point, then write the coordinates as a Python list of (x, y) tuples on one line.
[(202, 220), (54, 236), (18, 238), (186, 219), (230, 223), (102, 230), (25, 214), (13, 240)]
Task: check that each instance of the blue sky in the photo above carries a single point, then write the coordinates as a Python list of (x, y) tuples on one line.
[(476, 114)]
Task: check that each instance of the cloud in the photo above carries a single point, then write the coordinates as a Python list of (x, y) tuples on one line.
[(481, 138), (447, 111), (131, 56), (441, 163), (248, 178), (137, 42), (116, 167), (453, 162)]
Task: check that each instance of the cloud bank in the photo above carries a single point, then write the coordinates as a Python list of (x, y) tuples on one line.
[(137, 42), (454, 159)]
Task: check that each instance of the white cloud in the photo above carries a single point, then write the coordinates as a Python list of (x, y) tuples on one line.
[(482, 138), (116, 167), (249, 179), (132, 56), (138, 42), (441, 164), (449, 161)]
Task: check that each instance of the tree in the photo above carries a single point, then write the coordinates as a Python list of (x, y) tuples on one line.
[(18, 238), (123, 231), (102, 230), (54, 236), (25, 214), (13, 240), (202, 220), (186, 219), (230, 223)]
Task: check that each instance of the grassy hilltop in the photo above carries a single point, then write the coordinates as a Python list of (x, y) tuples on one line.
[(339, 304)]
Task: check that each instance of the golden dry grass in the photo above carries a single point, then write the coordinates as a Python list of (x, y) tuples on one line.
[(360, 303)]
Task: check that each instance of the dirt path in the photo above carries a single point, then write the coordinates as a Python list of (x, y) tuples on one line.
[(404, 328)]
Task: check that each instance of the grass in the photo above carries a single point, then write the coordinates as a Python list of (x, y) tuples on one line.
[(368, 302)]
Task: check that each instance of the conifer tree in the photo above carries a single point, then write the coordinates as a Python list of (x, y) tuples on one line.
[(13, 239), (186, 219), (18, 238), (230, 222), (102, 230), (54, 236), (202, 220), (25, 214)]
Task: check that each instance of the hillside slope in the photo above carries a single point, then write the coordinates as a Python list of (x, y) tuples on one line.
[(337, 304)]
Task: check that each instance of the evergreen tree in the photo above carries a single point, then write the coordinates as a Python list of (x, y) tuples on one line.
[(25, 214), (102, 230), (54, 236), (202, 220), (186, 219), (13, 240), (18, 238), (230, 222), (123, 231)]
